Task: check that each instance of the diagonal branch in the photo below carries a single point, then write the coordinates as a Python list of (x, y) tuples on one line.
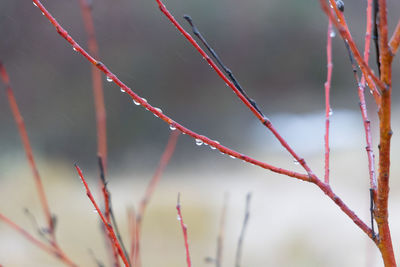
[(343, 29), (107, 225), (19, 120), (158, 112), (265, 121)]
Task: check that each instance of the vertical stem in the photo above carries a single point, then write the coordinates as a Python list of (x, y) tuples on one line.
[(381, 213), (327, 97)]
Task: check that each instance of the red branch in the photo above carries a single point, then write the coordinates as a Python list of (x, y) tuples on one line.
[(343, 29), (97, 83), (165, 158), (56, 252), (327, 96), (184, 231), (304, 177), (107, 225), (266, 122), (363, 106), (28, 151), (157, 111), (381, 212)]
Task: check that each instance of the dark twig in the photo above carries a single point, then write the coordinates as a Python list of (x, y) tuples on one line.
[(95, 259), (371, 209), (243, 231), (219, 61), (375, 36)]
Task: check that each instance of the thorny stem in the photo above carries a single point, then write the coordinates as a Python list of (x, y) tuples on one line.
[(97, 83), (304, 177), (29, 153), (184, 231), (165, 158), (327, 98), (59, 254), (108, 226)]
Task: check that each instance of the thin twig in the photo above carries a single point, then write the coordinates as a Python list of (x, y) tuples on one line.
[(375, 37), (327, 97), (97, 80), (108, 226), (221, 233), (47, 248), (132, 233), (109, 210), (243, 231), (151, 187), (184, 231), (28, 151), (222, 65)]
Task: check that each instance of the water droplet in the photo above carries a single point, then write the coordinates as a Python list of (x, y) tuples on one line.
[(122, 90), (172, 127), (213, 147), (372, 92), (178, 217), (94, 210), (158, 109), (136, 103), (34, 4), (233, 157), (144, 99), (74, 48), (43, 13), (330, 112), (199, 142), (296, 162), (109, 79), (332, 34)]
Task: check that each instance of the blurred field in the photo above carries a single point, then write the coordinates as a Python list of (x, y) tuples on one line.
[(291, 222)]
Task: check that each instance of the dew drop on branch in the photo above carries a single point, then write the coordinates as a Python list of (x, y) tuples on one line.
[(94, 211), (178, 217), (330, 112), (172, 127), (34, 4), (157, 109), (135, 102), (122, 90), (332, 34), (199, 142), (109, 79), (231, 156), (74, 48), (296, 162)]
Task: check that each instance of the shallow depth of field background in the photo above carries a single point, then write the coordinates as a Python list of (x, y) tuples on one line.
[(276, 50)]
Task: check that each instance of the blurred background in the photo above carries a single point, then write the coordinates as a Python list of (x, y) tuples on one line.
[(277, 51)]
